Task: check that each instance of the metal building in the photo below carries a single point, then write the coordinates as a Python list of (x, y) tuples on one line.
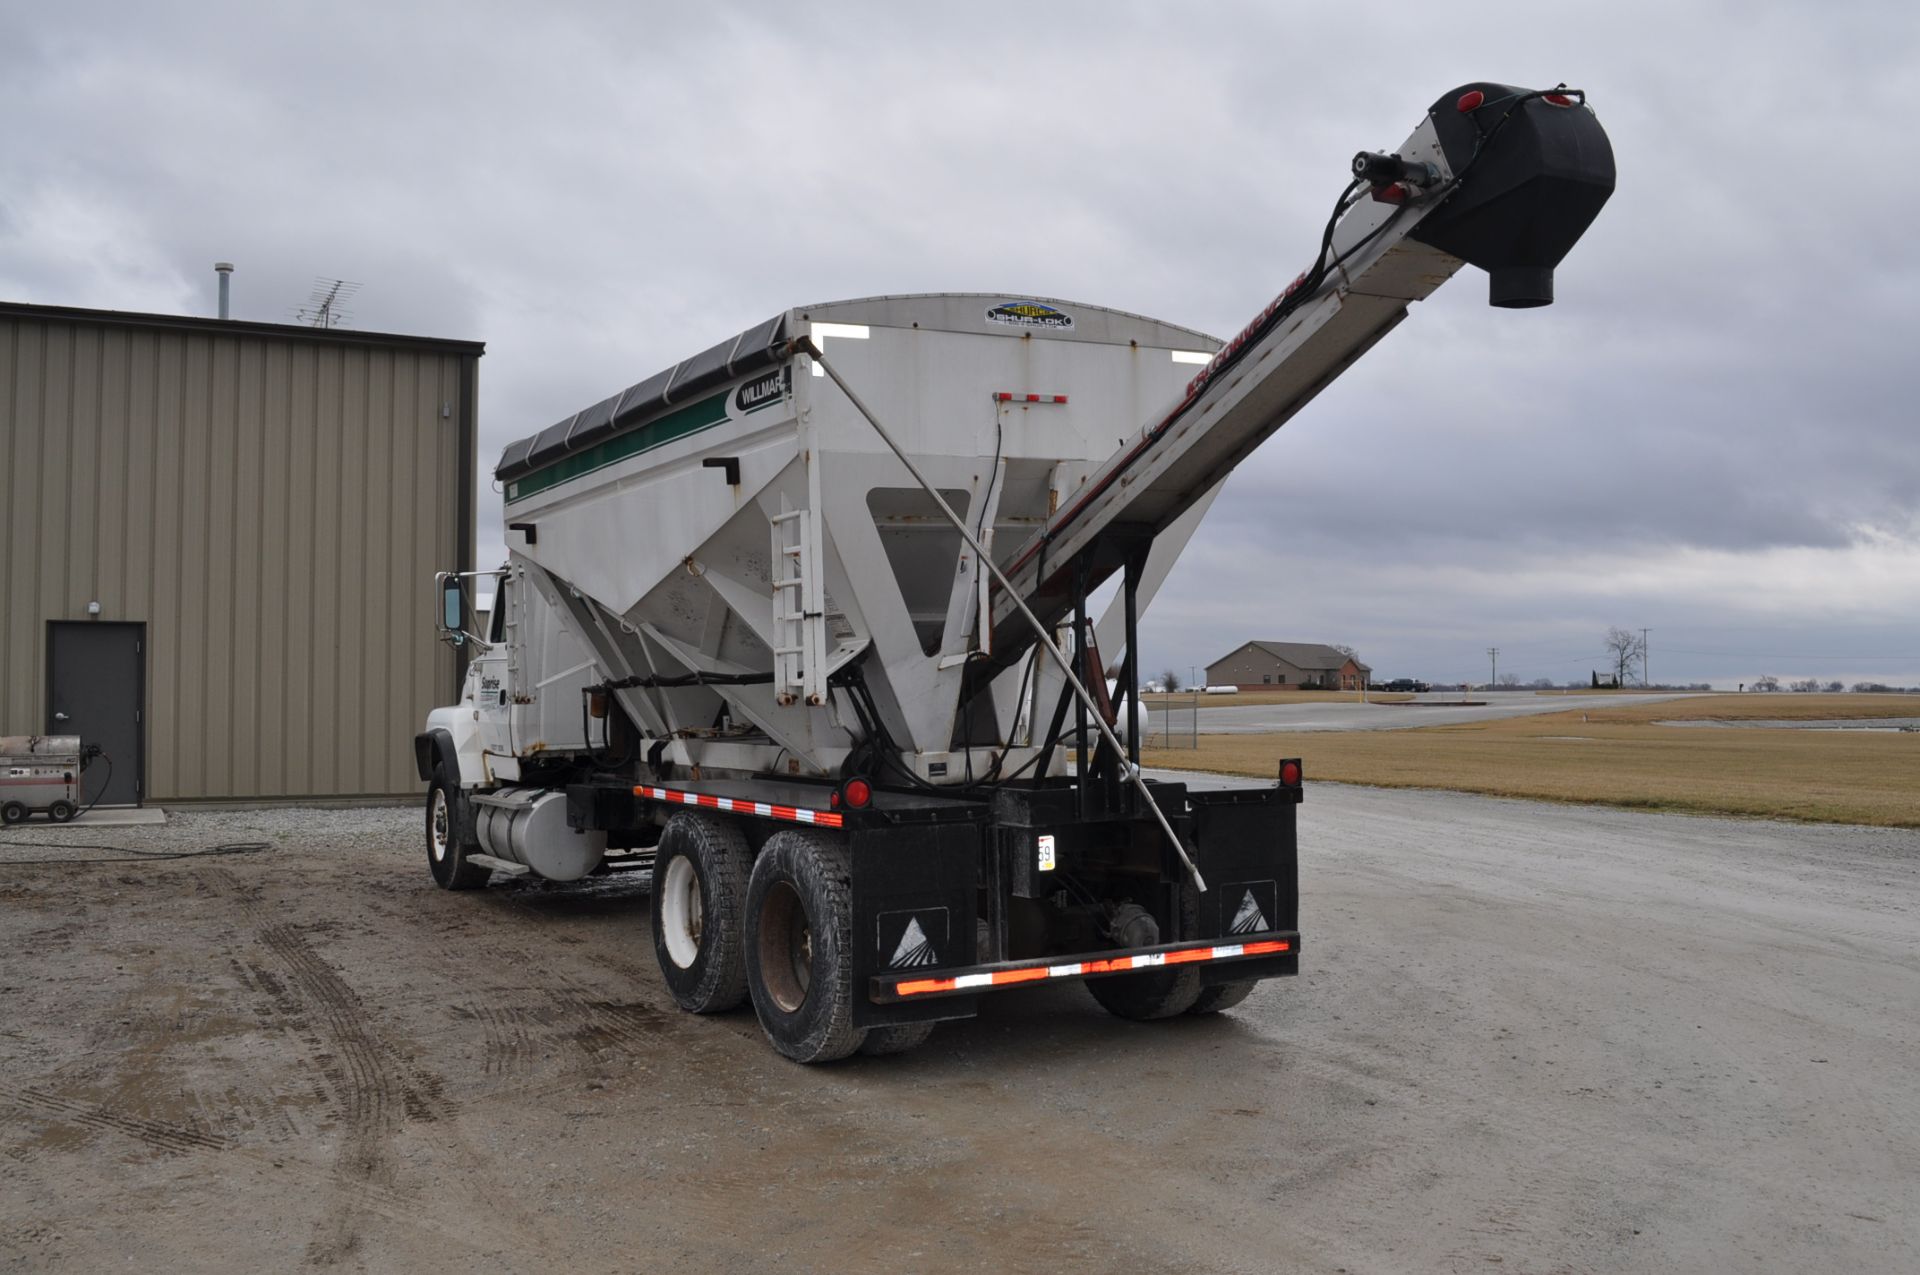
[(218, 542)]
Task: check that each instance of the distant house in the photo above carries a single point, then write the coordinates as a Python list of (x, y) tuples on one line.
[(1309, 666)]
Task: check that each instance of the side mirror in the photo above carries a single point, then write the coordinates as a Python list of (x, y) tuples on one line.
[(453, 605)]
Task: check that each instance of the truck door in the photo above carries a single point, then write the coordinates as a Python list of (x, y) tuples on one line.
[(493, 691)]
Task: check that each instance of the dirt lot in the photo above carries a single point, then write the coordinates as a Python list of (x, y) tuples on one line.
[(1527, 1038)]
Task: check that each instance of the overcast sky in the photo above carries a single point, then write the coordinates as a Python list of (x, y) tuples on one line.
[(1711, 435)]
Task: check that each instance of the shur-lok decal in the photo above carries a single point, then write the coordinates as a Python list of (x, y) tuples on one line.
[(1030, 314)]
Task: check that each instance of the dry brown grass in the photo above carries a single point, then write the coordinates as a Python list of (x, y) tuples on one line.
[(1618, 756)]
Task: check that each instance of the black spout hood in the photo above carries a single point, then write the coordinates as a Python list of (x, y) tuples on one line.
[(1532, 170)]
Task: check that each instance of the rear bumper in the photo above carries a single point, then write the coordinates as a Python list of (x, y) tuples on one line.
[(1255, 955)]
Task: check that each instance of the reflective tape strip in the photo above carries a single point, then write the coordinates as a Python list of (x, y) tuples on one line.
[(1004, 396), (791, 814), (1081, 969)]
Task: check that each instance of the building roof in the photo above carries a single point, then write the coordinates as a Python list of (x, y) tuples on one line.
[(1302, 655), (234, 327)]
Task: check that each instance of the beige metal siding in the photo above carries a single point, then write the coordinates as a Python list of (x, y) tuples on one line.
[(272, 507)]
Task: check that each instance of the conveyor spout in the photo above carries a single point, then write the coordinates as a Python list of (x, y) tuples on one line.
[(1532, 170)]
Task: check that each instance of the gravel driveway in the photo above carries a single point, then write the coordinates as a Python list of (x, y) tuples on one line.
[(1526, 1038)]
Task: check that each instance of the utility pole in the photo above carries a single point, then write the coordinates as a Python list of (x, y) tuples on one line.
[(1493, 674), (1645, 679)]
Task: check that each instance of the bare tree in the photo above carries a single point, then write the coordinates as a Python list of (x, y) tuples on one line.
[(1766, 682), (1624, 649), (1834, 688), (1509, 679), (1807, 684), (1170, 680)]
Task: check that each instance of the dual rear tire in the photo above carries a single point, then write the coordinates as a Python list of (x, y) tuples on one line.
[(776, 928), (699, 924)]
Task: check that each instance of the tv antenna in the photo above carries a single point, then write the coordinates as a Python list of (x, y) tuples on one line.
[(324, 307)]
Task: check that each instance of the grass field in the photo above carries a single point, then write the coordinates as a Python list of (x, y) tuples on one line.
[(1620, 756)]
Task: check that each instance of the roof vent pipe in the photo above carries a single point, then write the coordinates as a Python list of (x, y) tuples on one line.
[(225, 270)]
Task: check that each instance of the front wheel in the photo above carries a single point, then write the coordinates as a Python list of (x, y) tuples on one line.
[(447, 849), (699, 911), (13, 812), (61, 811), (800, 946)]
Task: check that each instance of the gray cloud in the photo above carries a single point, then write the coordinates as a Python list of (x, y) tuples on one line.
[(1710, 434)]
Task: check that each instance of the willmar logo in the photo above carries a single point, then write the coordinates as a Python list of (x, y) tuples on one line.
[(762, 392), (1030, 314)]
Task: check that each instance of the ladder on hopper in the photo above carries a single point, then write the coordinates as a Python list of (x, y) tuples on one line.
[(799, 619)]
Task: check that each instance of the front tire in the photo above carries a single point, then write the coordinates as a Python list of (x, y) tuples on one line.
[(698, 908), (13, 812), (800, 946), (61, 811), (447, 824)]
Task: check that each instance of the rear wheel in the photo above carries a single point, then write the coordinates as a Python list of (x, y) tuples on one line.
[(1222, 996), (699, 911), (60, 811), (13, 812), (1160, 993), (447, 849), (800, 946)]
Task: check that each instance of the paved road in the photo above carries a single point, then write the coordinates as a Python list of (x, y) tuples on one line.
[(1436, 709), (1526, 1038)]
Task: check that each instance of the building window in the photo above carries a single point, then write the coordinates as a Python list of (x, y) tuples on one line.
[(1267, 678)]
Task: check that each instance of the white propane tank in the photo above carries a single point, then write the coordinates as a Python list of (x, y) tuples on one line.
[(533, 830)]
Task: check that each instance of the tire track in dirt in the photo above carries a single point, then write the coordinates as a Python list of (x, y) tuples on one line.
[(162, 1136), (529, 1008), (372, 1088)]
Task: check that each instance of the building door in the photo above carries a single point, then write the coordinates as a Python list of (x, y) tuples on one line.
[(96, 689)]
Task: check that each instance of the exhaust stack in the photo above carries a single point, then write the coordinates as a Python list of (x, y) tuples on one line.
[(225, 270)]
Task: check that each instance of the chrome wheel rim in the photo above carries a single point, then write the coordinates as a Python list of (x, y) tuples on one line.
[(440, 834)]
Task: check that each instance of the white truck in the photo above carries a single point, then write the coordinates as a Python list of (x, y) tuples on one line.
[(801, 624)]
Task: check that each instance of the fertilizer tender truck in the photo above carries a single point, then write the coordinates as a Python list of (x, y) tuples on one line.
[(802, 624)]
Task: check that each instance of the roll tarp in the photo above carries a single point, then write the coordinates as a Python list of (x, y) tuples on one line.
[(759, 346)]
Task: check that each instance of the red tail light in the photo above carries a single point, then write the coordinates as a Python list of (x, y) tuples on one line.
[(1290, 774), (858, 793)]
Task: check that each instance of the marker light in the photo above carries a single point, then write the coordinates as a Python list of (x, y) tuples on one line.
[(858, 793), (1290, 774), (1470, 101)]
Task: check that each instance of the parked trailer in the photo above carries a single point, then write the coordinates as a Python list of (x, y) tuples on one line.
[(40, 774), (802, 624)]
